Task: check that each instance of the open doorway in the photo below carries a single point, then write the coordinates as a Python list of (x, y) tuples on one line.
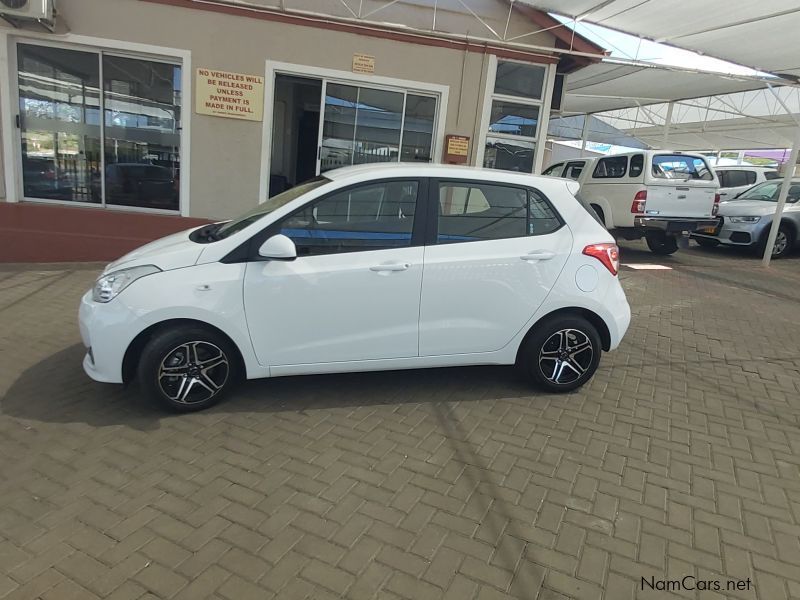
[(295, 131)]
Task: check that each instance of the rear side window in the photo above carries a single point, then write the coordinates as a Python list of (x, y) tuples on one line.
[(637, 165), (473, 212), (677, 166), (611, 167), (736, 178), (771, 175), (574, 170)]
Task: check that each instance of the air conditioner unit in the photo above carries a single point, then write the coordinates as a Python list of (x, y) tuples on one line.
[(27, 9)]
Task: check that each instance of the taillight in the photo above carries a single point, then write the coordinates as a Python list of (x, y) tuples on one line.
[(715, 210), (606, 253), (639, 201)]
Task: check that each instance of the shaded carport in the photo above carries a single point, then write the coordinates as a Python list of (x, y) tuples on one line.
[(665, 106)]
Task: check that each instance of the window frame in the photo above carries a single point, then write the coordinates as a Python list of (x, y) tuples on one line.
[(12, 158), (249, 248), (432, 212)]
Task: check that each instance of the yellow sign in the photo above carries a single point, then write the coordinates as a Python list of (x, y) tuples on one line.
[(457, 145), (363, 63), (226, 94)]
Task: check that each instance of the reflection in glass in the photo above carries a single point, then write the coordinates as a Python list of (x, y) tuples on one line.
[(142, 132), (361, 125), (517, 79), (514, 119), (59, 122), (508, 155), (418, 128)]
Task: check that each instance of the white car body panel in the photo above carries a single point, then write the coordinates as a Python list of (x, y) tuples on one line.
[(334, 313)]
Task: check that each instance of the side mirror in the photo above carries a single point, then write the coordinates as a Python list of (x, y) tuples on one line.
[(278, 247)]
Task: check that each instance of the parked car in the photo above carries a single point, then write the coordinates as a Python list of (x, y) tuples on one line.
[(571, 169), (735, 179), (746, 221), (655, 194), (328, 277), (138, 184)]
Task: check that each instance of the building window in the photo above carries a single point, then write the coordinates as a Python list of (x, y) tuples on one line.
[(516, 105), (98, 128)]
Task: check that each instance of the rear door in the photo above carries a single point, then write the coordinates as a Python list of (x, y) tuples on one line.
[(493, 253), (680, 186)]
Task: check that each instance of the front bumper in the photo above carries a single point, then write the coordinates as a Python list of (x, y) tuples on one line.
[(737, 234), (103, 331), (673, 224)]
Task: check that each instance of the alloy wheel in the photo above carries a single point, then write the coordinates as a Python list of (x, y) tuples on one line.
[(781, 242), (566, 356), (193, 372)]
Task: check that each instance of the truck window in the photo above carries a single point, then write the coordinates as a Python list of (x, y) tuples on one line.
[(677, 166), (611, 167), (637, 165)]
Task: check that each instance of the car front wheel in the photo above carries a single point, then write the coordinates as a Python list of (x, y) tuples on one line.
[(561, 354), (784, 242), (187, 369)]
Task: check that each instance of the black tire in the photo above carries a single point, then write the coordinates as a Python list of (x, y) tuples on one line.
[(706, 242), (183, 351), (784, 242), (660, 243), (600, 214), (543, 351)]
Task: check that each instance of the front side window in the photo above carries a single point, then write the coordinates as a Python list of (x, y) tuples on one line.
[(473, 212), (374, 216), (677, 166), (611, 167)]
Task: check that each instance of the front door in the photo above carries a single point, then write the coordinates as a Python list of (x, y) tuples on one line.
[(353, 292), (498, 252)]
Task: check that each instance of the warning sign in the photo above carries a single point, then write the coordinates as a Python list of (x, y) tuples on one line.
[(226, 94)]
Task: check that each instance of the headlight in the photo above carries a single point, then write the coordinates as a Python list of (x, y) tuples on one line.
[(108, 287), (744, 219)]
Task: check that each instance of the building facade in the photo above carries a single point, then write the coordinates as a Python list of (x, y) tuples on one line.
[(204, 109)]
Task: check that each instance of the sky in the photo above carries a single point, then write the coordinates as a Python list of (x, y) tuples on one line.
[(630, 47)]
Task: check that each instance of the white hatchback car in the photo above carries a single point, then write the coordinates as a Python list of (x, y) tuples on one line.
[(367, 268)]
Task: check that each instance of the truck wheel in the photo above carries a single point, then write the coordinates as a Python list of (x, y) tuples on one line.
[(661, 243)]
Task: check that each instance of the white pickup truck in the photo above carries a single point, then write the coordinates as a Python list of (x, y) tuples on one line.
[(655, 194)]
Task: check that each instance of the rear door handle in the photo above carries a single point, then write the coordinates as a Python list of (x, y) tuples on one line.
[(538, 255), (391, 267)]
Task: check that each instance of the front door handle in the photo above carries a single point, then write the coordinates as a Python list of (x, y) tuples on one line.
[(391, 267), (538, 255)]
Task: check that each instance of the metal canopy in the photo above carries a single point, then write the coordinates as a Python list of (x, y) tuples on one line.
[(720, 28)]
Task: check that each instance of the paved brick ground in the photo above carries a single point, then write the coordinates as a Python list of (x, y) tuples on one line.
[(682, 457)]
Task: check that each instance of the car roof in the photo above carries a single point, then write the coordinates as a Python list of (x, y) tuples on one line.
[(741, 167), (411, 169)]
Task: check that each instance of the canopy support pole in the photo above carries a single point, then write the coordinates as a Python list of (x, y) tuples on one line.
[(667, 123), (584, 134), (787, 182)]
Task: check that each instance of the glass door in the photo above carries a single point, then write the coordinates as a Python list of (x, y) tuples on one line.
[(368, 125)]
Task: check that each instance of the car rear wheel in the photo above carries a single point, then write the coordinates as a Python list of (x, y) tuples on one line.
[(187, 369), (661, 243), (706, 242), (561, 354)]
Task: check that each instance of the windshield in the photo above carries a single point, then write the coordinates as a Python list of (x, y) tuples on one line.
[(769, 192), (269, 206)]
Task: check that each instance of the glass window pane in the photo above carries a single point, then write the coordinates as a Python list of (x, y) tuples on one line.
[(339, 126), (637, 165), (470, 213), (379, 116), (507, 155), (369, 217), (142, 132), (612, 167), (517, 79), (59, 121), (676, 166), (515, 119), (418, 128)]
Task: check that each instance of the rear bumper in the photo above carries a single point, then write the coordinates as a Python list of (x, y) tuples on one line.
[(673, 224)]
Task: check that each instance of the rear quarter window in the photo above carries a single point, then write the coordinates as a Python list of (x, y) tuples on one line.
[(611, 167), (637, 165)]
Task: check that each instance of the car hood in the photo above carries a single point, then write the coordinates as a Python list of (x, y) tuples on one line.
[(747, 208), (171, 252)]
